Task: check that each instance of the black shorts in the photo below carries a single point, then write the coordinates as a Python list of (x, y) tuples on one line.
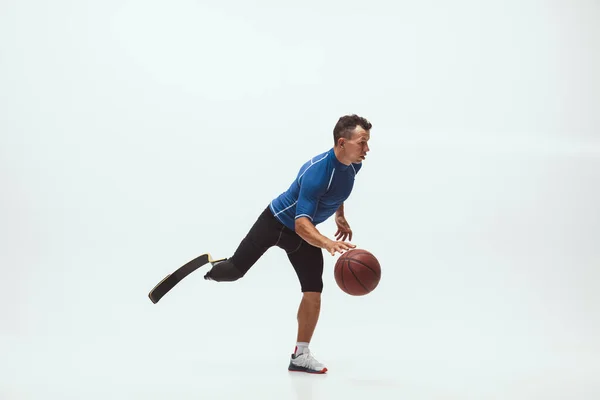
[(267, 232)]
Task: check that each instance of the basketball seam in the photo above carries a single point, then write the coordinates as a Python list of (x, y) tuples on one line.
[(356, 251), (356, 277), (344, 283), (363, 264)]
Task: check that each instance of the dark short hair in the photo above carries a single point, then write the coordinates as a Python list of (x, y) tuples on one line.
[(346, 125)]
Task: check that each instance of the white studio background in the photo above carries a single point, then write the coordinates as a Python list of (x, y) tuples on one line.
[(136, 135)]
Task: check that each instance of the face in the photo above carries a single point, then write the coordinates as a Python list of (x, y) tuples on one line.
[(356, 148)]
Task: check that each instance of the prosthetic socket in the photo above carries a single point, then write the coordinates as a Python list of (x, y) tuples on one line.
[(223, 271)]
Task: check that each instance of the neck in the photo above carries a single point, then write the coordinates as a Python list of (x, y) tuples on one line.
[(339, 154)]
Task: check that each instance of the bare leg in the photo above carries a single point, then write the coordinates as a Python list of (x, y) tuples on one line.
[(308, 315)]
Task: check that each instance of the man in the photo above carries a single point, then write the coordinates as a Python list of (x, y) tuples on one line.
[(289, 222)]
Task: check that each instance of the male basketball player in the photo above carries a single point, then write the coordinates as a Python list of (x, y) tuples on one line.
[(289, 222)]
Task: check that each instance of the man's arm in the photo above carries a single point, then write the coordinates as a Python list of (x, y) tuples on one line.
[(312, 187), (340, 211), (309, 232)]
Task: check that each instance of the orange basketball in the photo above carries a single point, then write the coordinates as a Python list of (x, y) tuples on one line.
[(357, 272)]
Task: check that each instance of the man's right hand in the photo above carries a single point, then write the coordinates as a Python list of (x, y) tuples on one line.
[(340, 246)]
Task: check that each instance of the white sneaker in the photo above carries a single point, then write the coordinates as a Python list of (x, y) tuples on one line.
[(305, 362)]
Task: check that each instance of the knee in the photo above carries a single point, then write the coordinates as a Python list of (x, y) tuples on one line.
[(224, 271), (312, 298)]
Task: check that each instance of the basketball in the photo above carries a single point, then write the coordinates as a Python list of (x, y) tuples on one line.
[(357, 272)]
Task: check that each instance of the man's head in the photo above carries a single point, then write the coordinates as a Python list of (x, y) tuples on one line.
[(351, 134)]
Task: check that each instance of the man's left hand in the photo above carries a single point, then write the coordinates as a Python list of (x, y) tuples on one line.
[(344, 232)]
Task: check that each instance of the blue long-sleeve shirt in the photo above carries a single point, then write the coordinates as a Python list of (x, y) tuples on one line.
[(323, 183)]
